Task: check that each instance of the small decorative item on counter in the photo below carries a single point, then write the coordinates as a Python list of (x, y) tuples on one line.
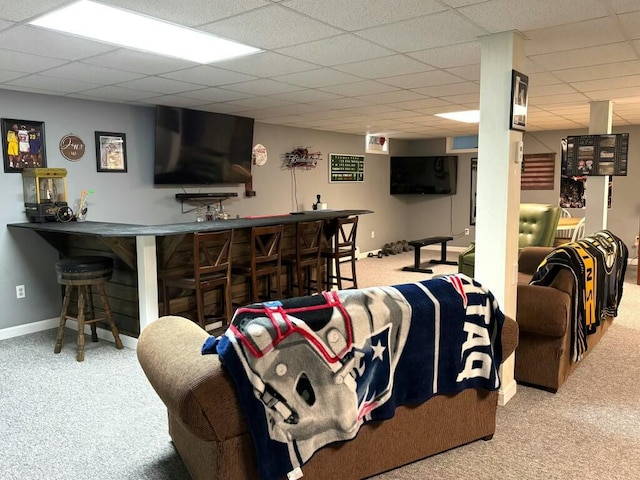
[(200, 214), (209, 214), (319, 205), (80, 206)]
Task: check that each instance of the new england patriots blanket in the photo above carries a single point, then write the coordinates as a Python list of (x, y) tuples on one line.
[(598, 263), (311, 370)]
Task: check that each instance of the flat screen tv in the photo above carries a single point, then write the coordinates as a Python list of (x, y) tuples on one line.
[(424, 175), (194, 147), (595, 155)]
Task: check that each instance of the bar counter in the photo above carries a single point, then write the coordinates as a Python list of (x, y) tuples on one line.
[(140, 252)]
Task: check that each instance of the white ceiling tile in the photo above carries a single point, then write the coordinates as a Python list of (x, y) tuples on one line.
[(545, 90), (115, 93), (613, 94), (423, 79), (608, 83), (623, 6), (571, 36), (450, 89), (140, 62), (384, 67), (604, 54), (339, 103), (259, 102), (391, 97), (468, 72), (194, 12), (543, 78), (47, 43), (322, 77), (358, 14), (91, 73), (266, 64), (222, 108), (7, 75), (62, 85), (421, 103), (461, 3), (472, 99), (609, 70), (160, 85), (435, 30), (207, 75), (450, 55), (25, 62), (338, 50), (173, 101), (359, 88), (630, 23), (505, 15), (263, 86), (213, 94), (306, 96), (271, 27), (566, 98), (18, 12)]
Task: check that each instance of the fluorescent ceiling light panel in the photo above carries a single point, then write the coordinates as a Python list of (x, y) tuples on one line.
[(469, 116), (119, 27)]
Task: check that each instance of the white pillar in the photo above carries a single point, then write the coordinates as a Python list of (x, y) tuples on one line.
[(498, 185), (595, 218), (147, 280)]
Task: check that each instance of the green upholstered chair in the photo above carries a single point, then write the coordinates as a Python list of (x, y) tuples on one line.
[(538, 226)]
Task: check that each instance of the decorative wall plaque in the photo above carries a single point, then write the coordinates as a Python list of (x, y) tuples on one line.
[(72, 147)]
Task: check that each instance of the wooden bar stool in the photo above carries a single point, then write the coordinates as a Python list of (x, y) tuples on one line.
[(211, 270), (305, 258), (83, 273), (342, 247), (264, 261)]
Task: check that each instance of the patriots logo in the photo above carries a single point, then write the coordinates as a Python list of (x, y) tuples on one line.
[(372, 371)]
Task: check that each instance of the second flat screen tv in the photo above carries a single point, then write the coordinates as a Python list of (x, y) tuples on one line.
[(194, 147), (424, 175)]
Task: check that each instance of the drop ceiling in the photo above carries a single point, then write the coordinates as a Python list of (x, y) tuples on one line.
[(352, 66)]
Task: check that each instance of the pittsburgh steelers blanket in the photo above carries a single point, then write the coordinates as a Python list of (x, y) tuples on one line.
[(310, 371), (598, 263)]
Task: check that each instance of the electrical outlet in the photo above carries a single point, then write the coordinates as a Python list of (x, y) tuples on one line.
[(373, 234), (466, 231), (20, 292)]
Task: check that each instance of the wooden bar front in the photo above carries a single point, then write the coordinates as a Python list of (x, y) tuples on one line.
[(173, 251)]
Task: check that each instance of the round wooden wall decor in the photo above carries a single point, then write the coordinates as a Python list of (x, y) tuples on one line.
[(72, 147)]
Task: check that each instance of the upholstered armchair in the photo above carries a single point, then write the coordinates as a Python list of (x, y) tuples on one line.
[(538, 226)]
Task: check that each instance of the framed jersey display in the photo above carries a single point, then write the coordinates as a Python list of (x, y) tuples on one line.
[(23, 144)]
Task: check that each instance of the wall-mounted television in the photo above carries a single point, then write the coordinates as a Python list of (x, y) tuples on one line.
[(194, 147), (424, 175), (595, 155)]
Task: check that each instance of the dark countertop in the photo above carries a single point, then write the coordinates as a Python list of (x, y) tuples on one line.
[(107, 229)]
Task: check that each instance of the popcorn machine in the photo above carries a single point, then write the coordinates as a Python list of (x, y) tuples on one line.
[(45, 194)]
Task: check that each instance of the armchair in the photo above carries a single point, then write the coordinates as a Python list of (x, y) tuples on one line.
[(538, 225)]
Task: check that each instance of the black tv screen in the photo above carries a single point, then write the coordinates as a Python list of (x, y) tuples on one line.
[(595, 155), (424, 175), (194, 147)]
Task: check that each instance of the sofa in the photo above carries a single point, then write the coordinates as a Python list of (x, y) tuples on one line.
[(210, 432), (538, 225), (545, 316)]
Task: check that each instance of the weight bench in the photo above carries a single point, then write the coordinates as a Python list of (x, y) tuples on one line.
[(418, 244)]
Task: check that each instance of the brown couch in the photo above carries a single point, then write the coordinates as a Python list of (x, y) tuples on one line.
[(209, 431), (543, 357)]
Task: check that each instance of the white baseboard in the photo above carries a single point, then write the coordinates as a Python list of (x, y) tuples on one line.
[(48, 324), (507, 392)]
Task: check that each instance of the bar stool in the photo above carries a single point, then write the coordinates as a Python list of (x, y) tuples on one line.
[(83, 273), (342, 248), (305, 257), (211, 270), (264, 260)]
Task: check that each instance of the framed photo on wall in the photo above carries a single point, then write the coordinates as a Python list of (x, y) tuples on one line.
[(474, 190), (23, 144), (519, 101), (111, 152)]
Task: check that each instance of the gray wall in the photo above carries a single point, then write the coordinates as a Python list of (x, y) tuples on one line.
[(130, 197)]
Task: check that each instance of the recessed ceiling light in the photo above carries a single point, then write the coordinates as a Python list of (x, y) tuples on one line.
[(120, 27), (468, 116)]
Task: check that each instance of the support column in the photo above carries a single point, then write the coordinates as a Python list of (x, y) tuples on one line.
[(498, 185), (596, 213)]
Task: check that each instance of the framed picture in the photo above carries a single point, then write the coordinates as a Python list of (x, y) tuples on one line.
[(111, 152), (519, 101), (23, 144), (474, 190)]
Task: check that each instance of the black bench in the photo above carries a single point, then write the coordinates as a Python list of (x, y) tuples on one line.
[(418, 244)]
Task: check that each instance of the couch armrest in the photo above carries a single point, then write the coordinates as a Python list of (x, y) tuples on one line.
[(530, 257), (509, 337), (543, 310), (193, 386)]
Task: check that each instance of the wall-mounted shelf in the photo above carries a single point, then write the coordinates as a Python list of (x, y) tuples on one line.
[(204, 198)]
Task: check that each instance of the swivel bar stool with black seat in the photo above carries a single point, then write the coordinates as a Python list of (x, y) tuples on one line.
[(305, 258), (83, 273), (211, 270), (342, 248), (264, 261)]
